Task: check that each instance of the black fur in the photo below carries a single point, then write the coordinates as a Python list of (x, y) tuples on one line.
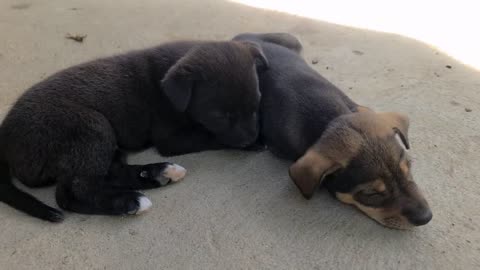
[(301, 110), (297, 102), (181, 97)]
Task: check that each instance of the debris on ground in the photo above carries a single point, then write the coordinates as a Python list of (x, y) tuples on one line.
[(314, 61), (21, 6), (448, 66), (468, 109), (77, 38), (357, 52), (454, 103)]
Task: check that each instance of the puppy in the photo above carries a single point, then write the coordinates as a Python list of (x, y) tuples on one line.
[(180, 97), (358, 154)]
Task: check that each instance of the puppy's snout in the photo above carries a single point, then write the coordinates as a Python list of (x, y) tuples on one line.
[(239, 139), (418, 216)]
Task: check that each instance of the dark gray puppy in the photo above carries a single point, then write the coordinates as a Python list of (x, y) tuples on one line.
[(306, 118), (180, 97)]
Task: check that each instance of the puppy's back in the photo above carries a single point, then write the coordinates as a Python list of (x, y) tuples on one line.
[(297, 102)]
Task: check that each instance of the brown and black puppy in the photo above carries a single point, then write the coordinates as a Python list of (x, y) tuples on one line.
[(180, 97), (359, 155)]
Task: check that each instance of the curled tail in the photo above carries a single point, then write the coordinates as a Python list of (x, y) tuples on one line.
[(23, 201)]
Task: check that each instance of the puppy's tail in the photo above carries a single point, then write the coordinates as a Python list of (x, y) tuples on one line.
[(23, 201)]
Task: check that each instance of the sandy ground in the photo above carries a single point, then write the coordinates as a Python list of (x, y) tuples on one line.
[(238, 210)]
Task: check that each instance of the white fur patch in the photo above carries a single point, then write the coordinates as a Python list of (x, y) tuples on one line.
[(145, 204), (399, 140), (174, 172)]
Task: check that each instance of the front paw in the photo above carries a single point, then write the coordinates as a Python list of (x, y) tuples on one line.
[(163, 172), (174, 172)]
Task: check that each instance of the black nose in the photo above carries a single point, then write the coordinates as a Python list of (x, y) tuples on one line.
[(418, 217)]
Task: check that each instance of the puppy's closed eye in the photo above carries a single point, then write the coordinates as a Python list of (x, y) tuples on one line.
[(371, 197), (373, 194)]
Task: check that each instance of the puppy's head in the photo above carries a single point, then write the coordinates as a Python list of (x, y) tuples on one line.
[(364, 161), (217, 85)]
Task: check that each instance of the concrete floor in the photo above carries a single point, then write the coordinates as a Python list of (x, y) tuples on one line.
[(239, 210)]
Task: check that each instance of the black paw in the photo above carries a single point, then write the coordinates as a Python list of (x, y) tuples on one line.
[(131, 203), (162, 173)]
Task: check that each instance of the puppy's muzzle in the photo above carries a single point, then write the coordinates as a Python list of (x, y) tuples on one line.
[(240, 138), (418, 216)]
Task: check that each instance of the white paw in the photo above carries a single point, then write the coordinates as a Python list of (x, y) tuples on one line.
[(174, 172), (144, 203)]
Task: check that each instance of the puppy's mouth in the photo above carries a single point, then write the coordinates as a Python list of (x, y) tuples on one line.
[(396, 222), (388, 217)]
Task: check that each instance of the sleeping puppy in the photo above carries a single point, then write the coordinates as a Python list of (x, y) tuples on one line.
[(180, 97), (358, 154)]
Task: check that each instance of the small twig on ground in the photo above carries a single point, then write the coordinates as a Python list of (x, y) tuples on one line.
[(77, 38)]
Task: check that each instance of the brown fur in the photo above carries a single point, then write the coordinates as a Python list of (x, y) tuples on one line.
[(385, 190)]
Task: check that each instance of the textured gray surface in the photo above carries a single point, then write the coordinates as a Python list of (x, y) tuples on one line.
[(239, 210)]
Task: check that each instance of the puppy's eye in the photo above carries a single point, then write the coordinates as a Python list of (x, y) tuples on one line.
[(371, 197), (371, 194)]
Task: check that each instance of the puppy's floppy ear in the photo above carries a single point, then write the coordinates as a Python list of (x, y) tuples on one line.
[(178, 84), (333, 151), (399, 124), (309, 171), (256, 50)]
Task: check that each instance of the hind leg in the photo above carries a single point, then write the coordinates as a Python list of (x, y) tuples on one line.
[(114, 194), (84, 187), (91, 195), (110, 190), (83, 165), (47, 142)]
